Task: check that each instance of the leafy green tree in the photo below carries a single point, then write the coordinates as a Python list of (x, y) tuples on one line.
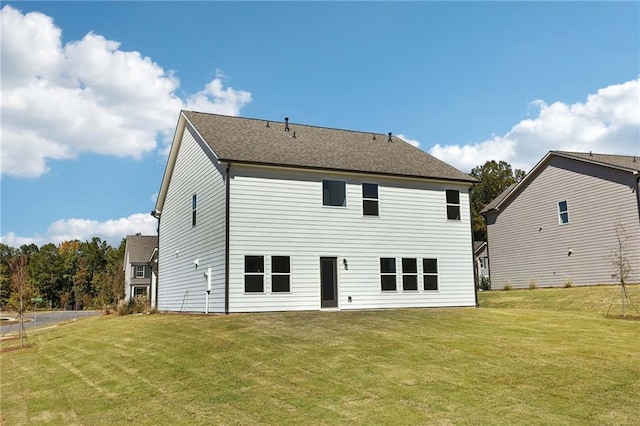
[(494, 178), (6, 255), (45, 272)]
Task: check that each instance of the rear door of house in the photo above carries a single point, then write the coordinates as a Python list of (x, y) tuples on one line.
[(329, 282)]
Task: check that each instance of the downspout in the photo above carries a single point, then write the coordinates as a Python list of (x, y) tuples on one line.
[(473, 253), (208, 289), (638, 195), (226, 239), (156, 214)]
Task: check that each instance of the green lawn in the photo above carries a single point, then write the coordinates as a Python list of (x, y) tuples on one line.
[(515, 363)]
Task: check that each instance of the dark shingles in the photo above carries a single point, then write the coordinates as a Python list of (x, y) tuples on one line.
[(247, 140), (629, 162), (140, 247)]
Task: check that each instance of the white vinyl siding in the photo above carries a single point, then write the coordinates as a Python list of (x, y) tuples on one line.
[(182, 286), (526, 243), (277, 213)]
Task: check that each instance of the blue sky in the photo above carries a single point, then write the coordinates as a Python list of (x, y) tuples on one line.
[(91, 91)]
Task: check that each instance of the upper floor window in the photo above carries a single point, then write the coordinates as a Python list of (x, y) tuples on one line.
[(280, 274), (334, 193), (139, 271), (563, 212), (194, 207), (254, 274), (409, 274), (370, 199), (388, 273), (430, 273), (453, 204)]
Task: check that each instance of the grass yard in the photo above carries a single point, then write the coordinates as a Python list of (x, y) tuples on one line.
[(515, 361)]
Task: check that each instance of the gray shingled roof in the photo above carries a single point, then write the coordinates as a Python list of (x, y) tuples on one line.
[(627, 162), (247, 140), (140, 247), (498, 199)]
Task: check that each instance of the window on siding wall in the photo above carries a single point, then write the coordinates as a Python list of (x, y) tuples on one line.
[(194, 207), (280, 274), (563, 212), (254, 274), (409, 274), (388, 273), (453, 204), (139, 271), (334, 193), (430, 273), (370, 199)]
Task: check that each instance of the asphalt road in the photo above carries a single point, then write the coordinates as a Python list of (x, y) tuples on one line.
[(41, 319)]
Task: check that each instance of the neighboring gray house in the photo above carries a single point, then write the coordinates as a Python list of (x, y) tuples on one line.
[(481, 255), (558, 225), (140, 259), (257, 215)]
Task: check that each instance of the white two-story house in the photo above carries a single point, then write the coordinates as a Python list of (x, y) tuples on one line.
[(257, 215)]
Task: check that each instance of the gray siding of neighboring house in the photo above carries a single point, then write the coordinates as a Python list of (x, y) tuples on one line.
[(182, 286), (527, 243)]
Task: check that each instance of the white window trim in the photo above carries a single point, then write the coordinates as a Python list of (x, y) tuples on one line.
[(459, 205), (272, 274), (346, 197), (383, 274), (416, 274), (377, 200), (560, 222), (433, 274), (136, 271), (263, 274)]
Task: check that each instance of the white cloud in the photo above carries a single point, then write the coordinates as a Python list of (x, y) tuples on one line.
[(60, 101), (409, 140), (112, 231), (607, 122)]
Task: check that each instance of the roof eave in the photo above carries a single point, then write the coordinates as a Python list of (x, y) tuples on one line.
[(469, 181)]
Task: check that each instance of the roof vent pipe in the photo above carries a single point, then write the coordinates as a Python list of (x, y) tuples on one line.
[(294, 135), (268, 124), (374, 136), (286, 124), (390, 137), (590, 154)]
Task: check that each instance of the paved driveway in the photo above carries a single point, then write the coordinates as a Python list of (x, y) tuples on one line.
[(43, 319)]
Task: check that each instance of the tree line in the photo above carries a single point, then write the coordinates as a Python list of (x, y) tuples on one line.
[(72, 274)]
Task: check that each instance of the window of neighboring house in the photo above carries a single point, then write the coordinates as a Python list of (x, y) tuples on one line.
[(388, 273), (370, 199), (430, 273), (483, 262), (140, 271), (254, 274), (280, 274), (409, 274), (563, 212), (453, 204), (334, 193), (139, 291), (194, 207)]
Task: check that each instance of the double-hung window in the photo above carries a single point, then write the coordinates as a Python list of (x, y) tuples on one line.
[(430, 273), (334, 193), (563, 212), (388, 273), (453, 204), (254, 274), (280, 274), (194, 206), (139, 271), (370, 199), (409, 274)]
